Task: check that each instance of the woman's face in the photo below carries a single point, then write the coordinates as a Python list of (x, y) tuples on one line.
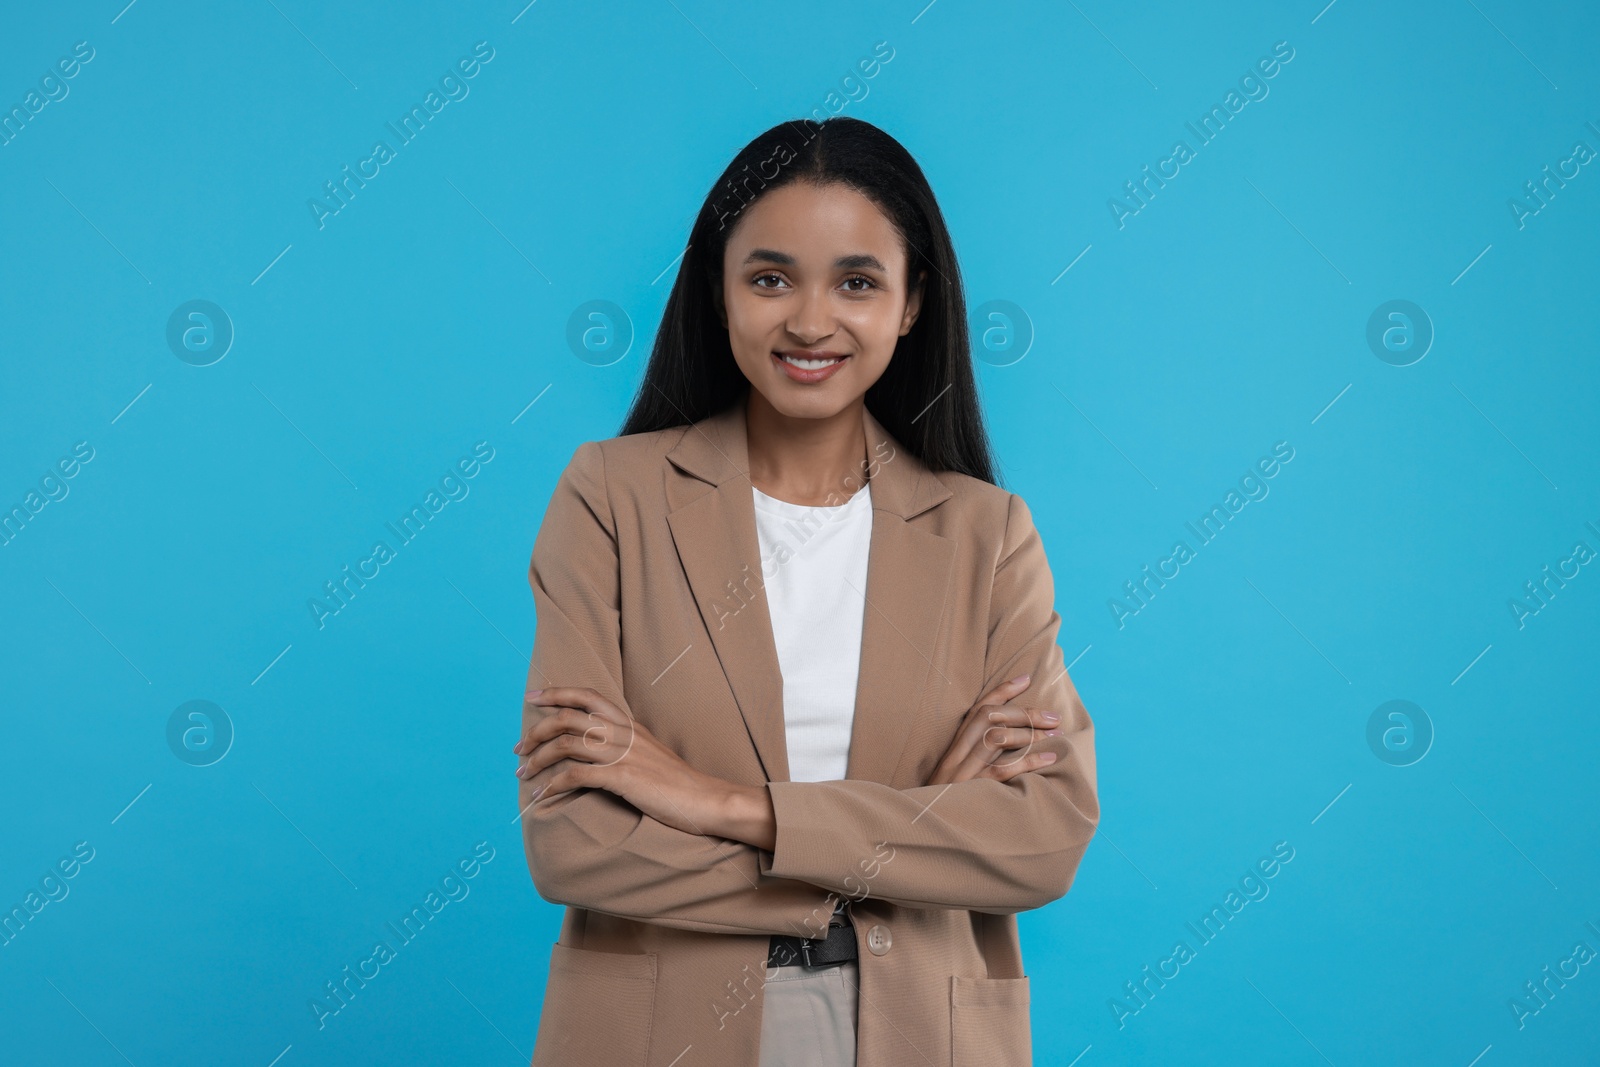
[(815, 274)]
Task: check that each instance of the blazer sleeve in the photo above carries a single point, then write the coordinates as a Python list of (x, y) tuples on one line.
[(979, 845), (589, 848)]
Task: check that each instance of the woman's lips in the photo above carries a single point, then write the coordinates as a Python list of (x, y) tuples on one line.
[(809, 376)]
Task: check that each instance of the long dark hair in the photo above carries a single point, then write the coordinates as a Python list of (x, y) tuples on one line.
[(926, 398)]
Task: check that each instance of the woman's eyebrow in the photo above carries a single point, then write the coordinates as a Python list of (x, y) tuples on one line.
[(858, 261)]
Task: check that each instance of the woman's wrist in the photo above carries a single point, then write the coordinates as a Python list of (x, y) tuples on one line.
[(747, 816)]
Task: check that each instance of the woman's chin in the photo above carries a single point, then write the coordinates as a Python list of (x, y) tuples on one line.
[(820, 401)]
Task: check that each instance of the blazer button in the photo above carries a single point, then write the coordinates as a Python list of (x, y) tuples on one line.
[(879, 940)]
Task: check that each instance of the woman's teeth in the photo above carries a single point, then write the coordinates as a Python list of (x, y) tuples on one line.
[(810, 364)]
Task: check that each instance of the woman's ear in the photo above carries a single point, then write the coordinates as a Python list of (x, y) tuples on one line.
[(913, 303)]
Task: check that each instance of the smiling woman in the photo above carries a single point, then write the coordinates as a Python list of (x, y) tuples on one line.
[(752, 815), (798, 319)]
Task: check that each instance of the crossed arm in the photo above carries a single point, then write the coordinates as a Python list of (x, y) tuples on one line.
[(771, 859)]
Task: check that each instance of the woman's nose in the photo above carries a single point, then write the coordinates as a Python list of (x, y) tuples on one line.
[(812, 319)]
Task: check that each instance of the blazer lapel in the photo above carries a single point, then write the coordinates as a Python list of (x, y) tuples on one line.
[(715, 534), (908, 580)]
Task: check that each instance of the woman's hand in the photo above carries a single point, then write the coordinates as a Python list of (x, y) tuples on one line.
[(609, 750), (994, 738)]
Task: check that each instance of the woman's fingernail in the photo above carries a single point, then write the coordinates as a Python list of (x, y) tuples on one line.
[(1052, 733), (1049, 757), (1051, 716), (1018, 680), (537, 793), (533, 694)]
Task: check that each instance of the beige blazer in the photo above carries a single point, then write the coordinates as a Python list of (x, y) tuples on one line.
[(647, 579)]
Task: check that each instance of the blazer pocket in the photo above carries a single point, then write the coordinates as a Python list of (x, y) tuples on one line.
[(989, 1024), (597, 1009)]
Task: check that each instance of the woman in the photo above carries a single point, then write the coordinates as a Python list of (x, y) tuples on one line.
[(774, 764)]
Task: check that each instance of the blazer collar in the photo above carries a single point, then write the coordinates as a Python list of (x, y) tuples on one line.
[(909, 574), (716, 449)]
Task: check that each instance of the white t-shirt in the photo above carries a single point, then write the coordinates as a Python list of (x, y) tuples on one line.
[(814, 565)]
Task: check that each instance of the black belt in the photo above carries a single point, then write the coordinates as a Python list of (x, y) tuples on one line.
[(839, 946)]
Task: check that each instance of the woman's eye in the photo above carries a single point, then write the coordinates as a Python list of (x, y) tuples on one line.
[(761, 281)]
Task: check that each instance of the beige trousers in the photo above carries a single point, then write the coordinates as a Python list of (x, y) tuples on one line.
[(809, 1015)]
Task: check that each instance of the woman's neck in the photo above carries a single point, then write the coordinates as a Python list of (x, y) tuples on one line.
[(814, 462)]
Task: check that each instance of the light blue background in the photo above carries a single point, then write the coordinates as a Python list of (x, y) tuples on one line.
[(372, 353)]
